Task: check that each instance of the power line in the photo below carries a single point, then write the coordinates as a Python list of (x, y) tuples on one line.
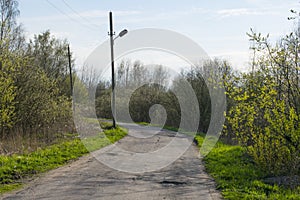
[(78, 14), (71, 18)]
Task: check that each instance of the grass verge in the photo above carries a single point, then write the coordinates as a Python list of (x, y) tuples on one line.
[(238, 177), (16, 167)]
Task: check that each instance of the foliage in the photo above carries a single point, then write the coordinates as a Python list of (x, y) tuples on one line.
[(103, 103), (265, 114), (34, 101), (129, 76), (148, 95), (50, 54), (8, 93), (206, 80), (238, 177), (45, 106), (7, 106), (31, 103), (11, 34)]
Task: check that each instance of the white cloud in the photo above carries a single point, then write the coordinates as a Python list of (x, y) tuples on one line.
[(243, 11)]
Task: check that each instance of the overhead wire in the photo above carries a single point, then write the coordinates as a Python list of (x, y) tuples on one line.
[(78, 14), (94, 28), (71, 18)]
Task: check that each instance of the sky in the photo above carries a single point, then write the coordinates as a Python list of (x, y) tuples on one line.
[(218, 26)]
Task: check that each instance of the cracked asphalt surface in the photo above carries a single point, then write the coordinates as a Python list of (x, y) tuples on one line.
[(87, 178)]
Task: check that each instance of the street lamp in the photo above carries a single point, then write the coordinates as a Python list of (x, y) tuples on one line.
[(121, 34), (112, 39)]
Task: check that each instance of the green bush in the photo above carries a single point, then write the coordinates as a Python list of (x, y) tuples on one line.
[(267, 127)]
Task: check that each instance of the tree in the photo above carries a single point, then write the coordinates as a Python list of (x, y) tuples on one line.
[(280, 61), (50, 55), (11, 34), (208, 81), (9, 11)]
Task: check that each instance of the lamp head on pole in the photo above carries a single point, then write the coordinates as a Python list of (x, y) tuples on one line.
[(122, 33)]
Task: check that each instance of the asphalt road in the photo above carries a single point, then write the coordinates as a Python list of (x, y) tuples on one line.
[(88, 178)]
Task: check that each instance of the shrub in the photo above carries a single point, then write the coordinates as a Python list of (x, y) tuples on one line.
[(267, 127)]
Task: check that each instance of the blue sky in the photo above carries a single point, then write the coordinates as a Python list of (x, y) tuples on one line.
[(218, 26)]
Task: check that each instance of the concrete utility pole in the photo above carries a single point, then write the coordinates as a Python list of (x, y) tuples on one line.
[(112, 39), (111, 34)]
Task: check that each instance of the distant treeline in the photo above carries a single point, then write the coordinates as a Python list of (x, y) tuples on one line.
[(156, 87)]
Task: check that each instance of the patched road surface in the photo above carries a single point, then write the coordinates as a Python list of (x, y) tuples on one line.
[(87, 178)]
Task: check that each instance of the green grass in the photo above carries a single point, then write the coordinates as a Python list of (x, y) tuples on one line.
[(157, 125), (143, 123), (238, 177), (16, 167), (96, 142)]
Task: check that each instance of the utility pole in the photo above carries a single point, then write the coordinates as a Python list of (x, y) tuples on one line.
[(113, 103), (70, 71), (71, 77)]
